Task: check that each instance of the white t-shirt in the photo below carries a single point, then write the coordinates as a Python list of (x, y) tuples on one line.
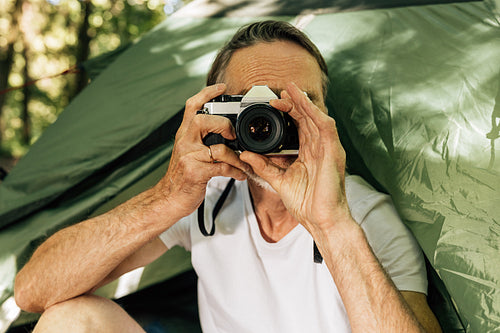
[(246, 284)]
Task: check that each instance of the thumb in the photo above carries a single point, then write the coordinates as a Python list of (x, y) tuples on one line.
[(264, 168)]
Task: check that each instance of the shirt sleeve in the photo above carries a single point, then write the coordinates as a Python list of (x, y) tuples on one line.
[(392, 242), (179, 234), (395, 247)]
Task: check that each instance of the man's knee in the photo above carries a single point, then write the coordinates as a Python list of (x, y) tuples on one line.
[(87, 313)]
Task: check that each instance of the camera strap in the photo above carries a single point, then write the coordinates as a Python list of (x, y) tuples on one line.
[(215, 212), (318, 258)]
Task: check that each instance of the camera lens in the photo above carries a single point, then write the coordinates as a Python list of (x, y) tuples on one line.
[(260, 128)]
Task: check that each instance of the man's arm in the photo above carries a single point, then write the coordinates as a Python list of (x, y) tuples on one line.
[(418, 304), (372, 301), (313, 190), (79, 258), (144, 256)]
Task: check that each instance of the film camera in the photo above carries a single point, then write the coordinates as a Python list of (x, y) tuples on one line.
[(259, 127)]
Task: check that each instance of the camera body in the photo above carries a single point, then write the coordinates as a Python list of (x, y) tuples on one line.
[(259, 127)]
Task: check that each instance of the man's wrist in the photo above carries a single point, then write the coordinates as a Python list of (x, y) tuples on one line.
[(333, 223), (338, 234)]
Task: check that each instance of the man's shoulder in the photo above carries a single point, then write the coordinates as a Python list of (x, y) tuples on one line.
[(357, 188), (362, 197)]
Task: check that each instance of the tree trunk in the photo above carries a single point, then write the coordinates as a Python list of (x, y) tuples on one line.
[(25, 115), (6, 61), (83, 48)]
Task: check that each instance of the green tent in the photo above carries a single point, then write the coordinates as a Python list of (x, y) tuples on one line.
[(416, 94)]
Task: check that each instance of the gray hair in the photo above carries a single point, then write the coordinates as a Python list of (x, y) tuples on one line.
[(265, 31)]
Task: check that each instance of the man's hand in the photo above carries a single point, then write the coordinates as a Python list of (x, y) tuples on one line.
[(192, 163), (312, 188)]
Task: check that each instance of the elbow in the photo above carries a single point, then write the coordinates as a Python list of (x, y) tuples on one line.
[(25, 296)]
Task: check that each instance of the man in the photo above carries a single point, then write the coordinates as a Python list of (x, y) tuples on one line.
[(256, 274)]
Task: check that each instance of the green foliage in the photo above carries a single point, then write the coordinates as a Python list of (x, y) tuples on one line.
[(46, 38)]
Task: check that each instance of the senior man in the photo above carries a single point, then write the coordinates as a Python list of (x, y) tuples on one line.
[(256, 273)]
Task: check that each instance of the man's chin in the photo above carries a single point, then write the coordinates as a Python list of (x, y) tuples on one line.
[(281, 161), (261, 183)]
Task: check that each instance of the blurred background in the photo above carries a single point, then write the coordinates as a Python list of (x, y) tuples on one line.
[(41, 44)]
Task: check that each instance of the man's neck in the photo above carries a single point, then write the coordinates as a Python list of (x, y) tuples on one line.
[(275, 222)]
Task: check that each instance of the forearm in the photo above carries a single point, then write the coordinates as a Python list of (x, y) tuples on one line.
[(76, 259), (372, 301)]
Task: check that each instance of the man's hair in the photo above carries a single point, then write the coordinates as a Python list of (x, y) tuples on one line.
[(265, 31)]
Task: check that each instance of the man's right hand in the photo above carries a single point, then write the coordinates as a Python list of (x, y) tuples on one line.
[(79, 258), (192, 163)]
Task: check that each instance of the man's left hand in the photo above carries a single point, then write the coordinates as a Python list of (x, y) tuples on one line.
[(313, 187)]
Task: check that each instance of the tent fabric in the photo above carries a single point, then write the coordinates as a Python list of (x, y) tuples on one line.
[(244, 8), (416, 95), (94, 66)]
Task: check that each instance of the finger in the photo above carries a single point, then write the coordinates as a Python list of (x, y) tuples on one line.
[(305, 127), (304, 107), (285, 95), (224, 154), (264, 168), (317, 120), (203, 124), (197, 101), (219, 160), (195, 167), (284, 105), (300, 118), (226, 170)]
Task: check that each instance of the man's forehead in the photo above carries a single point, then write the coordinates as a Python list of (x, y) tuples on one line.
[(274, 64)]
